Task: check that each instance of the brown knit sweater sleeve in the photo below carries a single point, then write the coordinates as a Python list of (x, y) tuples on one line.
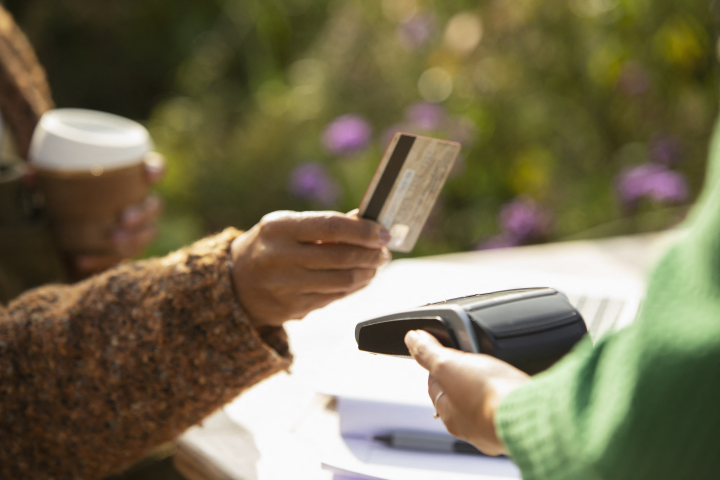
[(94, 375)]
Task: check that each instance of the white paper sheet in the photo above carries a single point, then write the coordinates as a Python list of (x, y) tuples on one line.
[(362, 420), (365, 419)]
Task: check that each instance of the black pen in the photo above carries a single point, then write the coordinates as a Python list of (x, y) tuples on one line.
[(428, 442)]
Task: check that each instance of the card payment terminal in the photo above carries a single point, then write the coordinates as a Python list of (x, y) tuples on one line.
[(529, 328)]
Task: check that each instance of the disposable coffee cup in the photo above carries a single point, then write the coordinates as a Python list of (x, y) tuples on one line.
[(90, 166)]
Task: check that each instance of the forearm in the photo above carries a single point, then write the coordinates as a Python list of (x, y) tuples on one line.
[(94, 375)]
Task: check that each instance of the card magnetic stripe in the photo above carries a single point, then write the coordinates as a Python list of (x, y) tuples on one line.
[(385, 185)]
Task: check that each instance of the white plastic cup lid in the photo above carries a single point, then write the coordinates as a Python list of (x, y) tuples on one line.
[(73, 139)]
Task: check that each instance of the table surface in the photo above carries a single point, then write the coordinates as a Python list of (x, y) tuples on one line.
[(277, 425)]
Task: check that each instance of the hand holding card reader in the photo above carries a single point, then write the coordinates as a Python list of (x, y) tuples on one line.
[(529, 328)]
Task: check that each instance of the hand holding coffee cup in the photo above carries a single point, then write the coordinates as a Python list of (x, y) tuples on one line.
[(134, 231), (95, 170)]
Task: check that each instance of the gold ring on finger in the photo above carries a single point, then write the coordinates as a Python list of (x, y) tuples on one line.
[(437, 397)]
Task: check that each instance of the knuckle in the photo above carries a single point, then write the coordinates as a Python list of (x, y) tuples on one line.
[(337, 257), (368, 231), (272, 222), (420, 350), (351, 257), (333, 225), (363, 280), (369, 274), (361, 276), (361, 257), (265, 223), (351, 279), (375, 257), (442, 367), (348, 278), (279, 216)]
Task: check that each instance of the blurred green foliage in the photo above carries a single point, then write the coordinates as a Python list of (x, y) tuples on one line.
[(556, 103)]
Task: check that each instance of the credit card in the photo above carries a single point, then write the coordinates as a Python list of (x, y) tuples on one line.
[(406, 185)]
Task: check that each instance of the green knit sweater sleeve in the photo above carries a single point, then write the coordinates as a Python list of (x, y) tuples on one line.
[(642, 403)]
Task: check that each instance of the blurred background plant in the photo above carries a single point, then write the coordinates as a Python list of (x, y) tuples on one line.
[(578, 118)]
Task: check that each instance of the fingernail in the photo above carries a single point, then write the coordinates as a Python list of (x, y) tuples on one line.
[(386, 256), (384, 237)]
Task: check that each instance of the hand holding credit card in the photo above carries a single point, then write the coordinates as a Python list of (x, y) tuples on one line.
[(406, 185)]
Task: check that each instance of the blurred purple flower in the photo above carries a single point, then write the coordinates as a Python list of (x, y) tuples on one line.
[(631, 182), (426, 115), (525, 219), (653, 181), (521, 221), (633, 79), (346, 135), (668, 187), (665, 150), (311, 181), (416, 30)]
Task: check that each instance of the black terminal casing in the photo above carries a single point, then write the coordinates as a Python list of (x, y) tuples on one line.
[(529, 328)]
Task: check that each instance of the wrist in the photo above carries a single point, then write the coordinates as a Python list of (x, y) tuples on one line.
[(487, 439), (498, 392), (238, 252), (237, 249)]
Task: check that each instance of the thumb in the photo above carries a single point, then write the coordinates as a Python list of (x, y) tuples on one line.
[(425, 349)]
